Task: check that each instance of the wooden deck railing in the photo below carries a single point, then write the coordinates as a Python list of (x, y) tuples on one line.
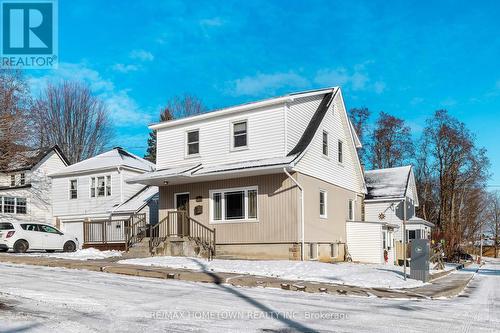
[(135, 229), (179, 224)]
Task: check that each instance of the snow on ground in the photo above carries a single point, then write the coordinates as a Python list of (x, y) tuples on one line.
[(44, 299), (361, 275), (85, 254)]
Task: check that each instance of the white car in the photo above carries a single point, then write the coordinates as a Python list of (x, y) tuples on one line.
[(24, 236)]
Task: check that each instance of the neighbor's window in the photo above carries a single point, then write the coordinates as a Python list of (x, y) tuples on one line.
[(9, 205), (325, 143), (73, 189), (411, 234), (351, 210), (322, 204), (20, 205), (340, 157), (193, 142), (100, 186), (108, 186), (22, 179), (234, 204), (1, 204), (12, 180), (240, 134)]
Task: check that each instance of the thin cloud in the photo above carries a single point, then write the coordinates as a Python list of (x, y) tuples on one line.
[(266, 83), (355, 79), (212, 22), (142, 55), (123, 109), (123, 68)]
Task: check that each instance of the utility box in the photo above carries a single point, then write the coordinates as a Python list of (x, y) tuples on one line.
[(419, 264)]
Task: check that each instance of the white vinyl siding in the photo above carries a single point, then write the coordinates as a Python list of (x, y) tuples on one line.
[(365, 243), (346, 174), (265, 139)]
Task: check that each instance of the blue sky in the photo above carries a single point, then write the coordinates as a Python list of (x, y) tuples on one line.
[(407, 58)]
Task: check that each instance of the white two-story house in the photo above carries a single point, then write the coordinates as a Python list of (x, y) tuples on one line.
[(276, 178), (96, 190), (25, 185), (388, 190)]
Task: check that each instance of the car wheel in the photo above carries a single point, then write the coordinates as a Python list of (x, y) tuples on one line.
[(21, 246), (50, 251), (69, 246)]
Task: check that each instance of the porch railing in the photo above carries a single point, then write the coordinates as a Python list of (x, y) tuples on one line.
[(179, 224), (135, 229)]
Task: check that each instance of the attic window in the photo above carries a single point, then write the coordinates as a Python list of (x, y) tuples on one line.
[(325, 143), (341, 152), (240, 134)]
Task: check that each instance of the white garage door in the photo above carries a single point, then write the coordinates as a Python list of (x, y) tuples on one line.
[(74, 228), (364, 242)]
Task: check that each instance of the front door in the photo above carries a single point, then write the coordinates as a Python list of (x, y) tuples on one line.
[(182, 204)]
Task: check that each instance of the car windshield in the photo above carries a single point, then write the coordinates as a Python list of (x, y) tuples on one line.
[(6, 226)]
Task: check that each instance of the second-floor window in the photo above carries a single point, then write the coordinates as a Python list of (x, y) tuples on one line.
[(240, 134), (22, 179), (193, 142), (100, 186), (73, 189), (18, 179), (350, 209), (325, 143), (12, 180)]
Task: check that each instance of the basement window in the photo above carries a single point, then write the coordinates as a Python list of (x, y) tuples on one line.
[(233, 205)]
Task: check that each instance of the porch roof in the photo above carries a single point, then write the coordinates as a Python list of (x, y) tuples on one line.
[(418, 220), (201, 172)]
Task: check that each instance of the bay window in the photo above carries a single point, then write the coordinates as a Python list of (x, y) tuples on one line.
[(234, 204)]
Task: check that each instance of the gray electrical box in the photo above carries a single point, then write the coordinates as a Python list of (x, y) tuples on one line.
[(419, 264)]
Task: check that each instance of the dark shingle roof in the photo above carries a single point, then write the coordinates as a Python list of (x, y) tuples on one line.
[(27, 159), (313, 125)]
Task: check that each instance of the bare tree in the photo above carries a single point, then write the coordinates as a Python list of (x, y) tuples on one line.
[(14, 106), (391, 143), (185, 106), (359, 119), (69, 115), (493, 219), (451, 162), (165, 115), (176, 108)]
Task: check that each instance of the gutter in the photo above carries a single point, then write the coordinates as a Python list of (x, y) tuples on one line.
[(301, 211)]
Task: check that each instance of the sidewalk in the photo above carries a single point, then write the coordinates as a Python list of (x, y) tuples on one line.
[(447, 286)]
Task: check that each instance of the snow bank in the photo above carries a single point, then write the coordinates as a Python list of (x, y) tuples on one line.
[(362, 275), (85, 254)]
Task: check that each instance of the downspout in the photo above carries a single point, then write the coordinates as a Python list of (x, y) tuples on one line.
[(301, 211)]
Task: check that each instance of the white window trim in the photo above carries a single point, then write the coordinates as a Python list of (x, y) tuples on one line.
[(325, 215), (97, 186), (327, 155), (186, 148), (350, 209), (69, 188), (233, 189), (232, 147), (343, 150)]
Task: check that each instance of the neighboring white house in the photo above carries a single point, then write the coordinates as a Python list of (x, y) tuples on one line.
[(387, 190), (276, 178), (96, 189), (25, 187)]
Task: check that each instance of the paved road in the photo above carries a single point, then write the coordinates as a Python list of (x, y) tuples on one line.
[(41, 299)]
